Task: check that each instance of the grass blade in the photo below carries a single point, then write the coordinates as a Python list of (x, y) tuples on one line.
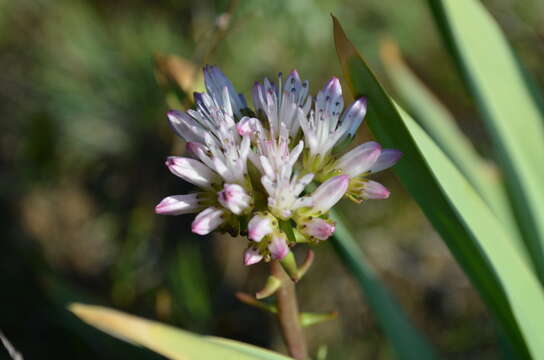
[(474, 235), (508, 107), (438, 122), (167, 340)]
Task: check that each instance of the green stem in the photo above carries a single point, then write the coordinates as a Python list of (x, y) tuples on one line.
[(288, 314)]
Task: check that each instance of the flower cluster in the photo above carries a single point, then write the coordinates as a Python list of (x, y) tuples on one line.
[(272, 172)]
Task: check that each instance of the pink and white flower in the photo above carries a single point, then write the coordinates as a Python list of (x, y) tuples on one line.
[(362, 161), (327, 125), (285, 104), (270, 172)]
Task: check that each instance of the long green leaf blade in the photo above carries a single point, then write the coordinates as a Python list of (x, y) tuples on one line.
[(473, 233), (407, 341), (508, 108), (441, 126), (167, 340)]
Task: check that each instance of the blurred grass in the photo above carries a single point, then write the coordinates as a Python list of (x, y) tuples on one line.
[(82, 140)]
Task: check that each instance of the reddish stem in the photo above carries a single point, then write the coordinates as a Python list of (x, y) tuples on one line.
[(288, 314)]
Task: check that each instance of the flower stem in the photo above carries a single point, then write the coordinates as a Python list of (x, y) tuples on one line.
[(288, 314)]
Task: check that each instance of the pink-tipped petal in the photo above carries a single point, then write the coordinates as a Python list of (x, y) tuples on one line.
[(329, 193), (259, 226), (319, 228), (252, 256), (235, 198), (388, 158), (193, 171), (360, 159), (178, 204), (248, 126), (208, 220), (375, 190), (278, 247)]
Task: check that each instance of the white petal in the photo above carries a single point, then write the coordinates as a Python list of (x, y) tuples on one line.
[(353, 117), (192, 171), (295, 153), (259, 226), (249, 126), (195, 148), (360, 159), (185, 126), (388, 158), (208, 220), (178, 204), (301, 183), (329, 101), (329, 193)]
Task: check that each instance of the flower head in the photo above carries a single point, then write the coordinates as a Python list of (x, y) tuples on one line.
[(273, 172)]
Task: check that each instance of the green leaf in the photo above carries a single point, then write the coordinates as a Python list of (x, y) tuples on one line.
[(475, 236), (167, 340), (438, 122), (508, 107), (407, 342)]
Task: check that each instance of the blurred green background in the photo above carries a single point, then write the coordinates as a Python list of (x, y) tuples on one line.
[(83, 136)]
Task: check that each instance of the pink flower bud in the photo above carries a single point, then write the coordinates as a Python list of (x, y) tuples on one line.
[(319, 228), (208, 220), (374, 190), (234, 198), (193, 171), (259, 226), (178, 204), (329, 193), (360, 159), (252, 256), (278, 247)]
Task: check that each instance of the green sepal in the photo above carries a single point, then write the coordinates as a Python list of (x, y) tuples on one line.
[(251, 301), (308, 319), (287, 227), (289, 264), (271, 286)]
